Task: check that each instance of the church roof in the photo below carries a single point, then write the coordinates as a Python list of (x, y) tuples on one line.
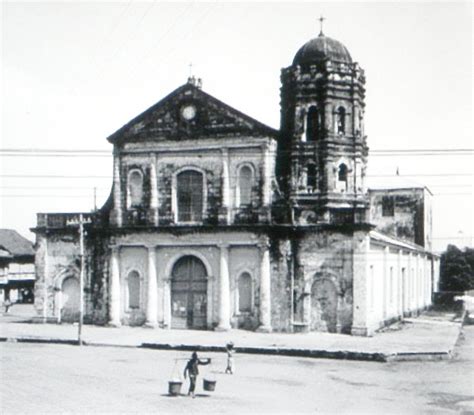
[(213, 118), (320, 49)]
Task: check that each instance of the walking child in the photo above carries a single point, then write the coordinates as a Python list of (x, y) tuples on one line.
[(229, 347)]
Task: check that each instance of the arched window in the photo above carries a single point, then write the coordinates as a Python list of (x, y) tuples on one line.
[(245, 293), (311, 176), (312, 124), (190, 196), (341, 120), (245, 186), (133, 283), (342, 173), (135, 188)]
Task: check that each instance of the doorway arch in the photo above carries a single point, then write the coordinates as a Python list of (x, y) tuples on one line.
[(324, 302), (70, 300), (189, 293)]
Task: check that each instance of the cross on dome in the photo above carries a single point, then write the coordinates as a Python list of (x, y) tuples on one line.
[(321, 21)]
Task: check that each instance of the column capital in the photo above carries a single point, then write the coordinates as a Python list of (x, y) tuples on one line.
[(263, 245), (223, 245), (115, 248)]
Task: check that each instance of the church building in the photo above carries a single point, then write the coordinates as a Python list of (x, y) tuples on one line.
[(217, 221)]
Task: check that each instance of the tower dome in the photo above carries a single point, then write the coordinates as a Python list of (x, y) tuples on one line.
[(320, 49)]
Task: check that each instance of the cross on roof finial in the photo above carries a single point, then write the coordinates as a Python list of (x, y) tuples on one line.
[(190, 69), (321, 20)]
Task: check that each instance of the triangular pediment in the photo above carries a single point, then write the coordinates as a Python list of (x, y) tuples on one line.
[(190, 113)]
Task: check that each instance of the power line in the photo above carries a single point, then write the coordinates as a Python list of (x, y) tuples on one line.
[(62, 176), (86, 152)]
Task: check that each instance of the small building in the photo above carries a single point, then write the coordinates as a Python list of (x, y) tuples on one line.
[(217, 221), (403, 211), (17, 271)]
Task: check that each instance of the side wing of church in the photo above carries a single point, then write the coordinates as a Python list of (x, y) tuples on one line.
[(217, 221)]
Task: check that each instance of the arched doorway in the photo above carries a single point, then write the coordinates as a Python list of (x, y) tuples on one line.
[(70, 300), (189, 294), (324, 306)]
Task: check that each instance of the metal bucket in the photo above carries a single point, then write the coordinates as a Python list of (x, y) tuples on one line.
[(209, 385), (174, 387)]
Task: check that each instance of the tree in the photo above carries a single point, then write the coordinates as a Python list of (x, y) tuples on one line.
[(456, 271)]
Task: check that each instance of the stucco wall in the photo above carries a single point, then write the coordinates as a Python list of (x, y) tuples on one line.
[(408, 220), (325, 255)]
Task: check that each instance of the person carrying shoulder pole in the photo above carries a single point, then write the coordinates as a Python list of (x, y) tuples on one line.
[(193, 371)]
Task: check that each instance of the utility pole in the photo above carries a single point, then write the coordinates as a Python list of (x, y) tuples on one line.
[(81, 273), (81, 279)]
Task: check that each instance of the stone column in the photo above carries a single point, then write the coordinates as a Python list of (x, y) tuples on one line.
[(116, 214), (114, 294), (153, 192), (224, 290), (265, 290), (152, 292)]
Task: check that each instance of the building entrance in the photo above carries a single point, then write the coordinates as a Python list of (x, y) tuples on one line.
[(189, 294), (70, 300)]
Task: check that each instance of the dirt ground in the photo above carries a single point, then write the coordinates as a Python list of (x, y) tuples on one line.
[(70, 379)]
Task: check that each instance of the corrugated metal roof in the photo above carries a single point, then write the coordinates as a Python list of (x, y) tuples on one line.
[(13, 242)]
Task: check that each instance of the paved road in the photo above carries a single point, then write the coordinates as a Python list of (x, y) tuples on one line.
[(58, 379)]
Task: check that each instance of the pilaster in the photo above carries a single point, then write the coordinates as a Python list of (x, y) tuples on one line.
[(114, 296), (224, 214), (153, 192), (265, 289), (116, 214), (152, 291), (360, 310), (224, 290)]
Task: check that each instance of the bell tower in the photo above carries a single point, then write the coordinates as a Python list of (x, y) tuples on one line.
[(322, 149)]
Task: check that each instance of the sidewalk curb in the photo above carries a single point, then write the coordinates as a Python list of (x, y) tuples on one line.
[(37, 340), (274, 351)]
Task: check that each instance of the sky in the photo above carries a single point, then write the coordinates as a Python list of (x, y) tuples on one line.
[(74, 72)]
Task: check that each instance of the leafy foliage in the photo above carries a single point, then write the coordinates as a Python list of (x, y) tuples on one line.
[(457, 269)]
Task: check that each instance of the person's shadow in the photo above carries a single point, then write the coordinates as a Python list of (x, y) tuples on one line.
[(185, 395)]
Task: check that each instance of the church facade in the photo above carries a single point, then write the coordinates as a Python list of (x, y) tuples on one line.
[(217, 221)]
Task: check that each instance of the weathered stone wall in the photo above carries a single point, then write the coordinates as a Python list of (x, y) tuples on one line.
[(281, 263), (408, 220), (325, 258), (57, 258), (175, 156)]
